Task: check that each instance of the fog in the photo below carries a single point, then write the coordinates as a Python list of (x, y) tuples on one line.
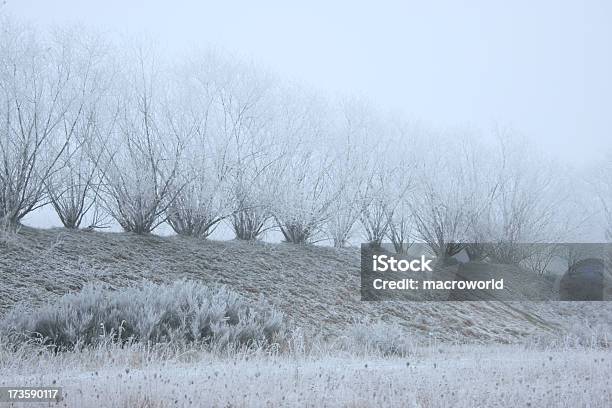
[(541, 68)]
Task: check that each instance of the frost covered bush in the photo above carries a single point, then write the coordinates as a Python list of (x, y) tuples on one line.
[(379, 338), (184, 312), (585, 335)]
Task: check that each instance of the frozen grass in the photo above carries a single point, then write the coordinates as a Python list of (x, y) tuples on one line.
[(384, 368), (378, 337), (433, 376), (180, 313), (404, 360), (317, 288)]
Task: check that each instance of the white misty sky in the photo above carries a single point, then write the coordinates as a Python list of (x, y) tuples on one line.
[(542, 67)]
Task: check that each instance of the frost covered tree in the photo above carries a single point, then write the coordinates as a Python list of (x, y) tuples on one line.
[(144, 153), (451, 192), (348, 172), (383, 195), (400, 226), (384, 211), (245, 96), (73, 190), (203, 200), (355, 125), (404, 144), (305, 191), (527, 206), (302, 205), (374, 208), (39, 86)]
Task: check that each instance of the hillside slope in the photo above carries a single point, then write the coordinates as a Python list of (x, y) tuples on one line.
[(316, 287)]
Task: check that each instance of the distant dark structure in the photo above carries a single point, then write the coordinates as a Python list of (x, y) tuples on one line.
[(583, 281)]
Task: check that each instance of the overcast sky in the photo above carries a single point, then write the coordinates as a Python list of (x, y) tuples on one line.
[(542, 67)]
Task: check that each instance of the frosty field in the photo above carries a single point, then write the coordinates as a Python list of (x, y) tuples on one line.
[(334, 353), (435, 376)]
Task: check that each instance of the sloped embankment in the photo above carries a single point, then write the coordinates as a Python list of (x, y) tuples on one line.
[(316, 287)]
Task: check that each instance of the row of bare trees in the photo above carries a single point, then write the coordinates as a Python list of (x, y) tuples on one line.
[(204, 141)]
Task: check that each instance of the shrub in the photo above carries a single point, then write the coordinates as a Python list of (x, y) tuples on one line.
[(379, 338), (183, 312)]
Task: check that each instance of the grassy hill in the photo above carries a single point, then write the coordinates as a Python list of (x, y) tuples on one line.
[(316, 287)]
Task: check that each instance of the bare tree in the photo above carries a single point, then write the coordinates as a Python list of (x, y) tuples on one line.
[(375, 208), (203, 199), (400, 226), (302, 205), (35, 79), (441, 224), (384, 211), (452, 192), (251, 205), (202, 202), (74, 189), (401, 184), (253, 189), (141, 181), (304, 190), (384, 192), (526, 207), (347, 172), (245, 99), (350, 168)]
